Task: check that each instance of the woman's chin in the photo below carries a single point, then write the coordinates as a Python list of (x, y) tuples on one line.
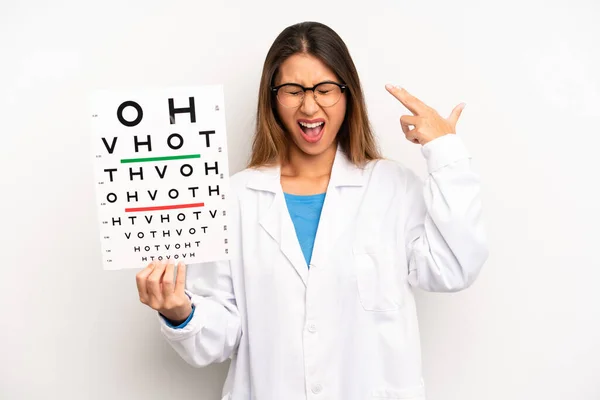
[(316, 148)]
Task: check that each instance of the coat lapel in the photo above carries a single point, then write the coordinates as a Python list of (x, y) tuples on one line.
[(340, 206), (276, 220), (278, 224)]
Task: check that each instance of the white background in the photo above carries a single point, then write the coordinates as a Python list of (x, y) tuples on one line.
[(528, 70)]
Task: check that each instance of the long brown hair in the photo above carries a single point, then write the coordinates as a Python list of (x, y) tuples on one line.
[(270, 144)]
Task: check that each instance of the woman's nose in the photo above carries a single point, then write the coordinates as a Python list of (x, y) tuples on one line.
[(309, 105)]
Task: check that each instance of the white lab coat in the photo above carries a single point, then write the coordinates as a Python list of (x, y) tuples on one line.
[(345, 329)]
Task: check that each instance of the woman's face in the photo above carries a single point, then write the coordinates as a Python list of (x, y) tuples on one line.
[(307, 71)]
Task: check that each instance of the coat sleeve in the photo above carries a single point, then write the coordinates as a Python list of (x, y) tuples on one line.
[(445, 239), (213, 333)]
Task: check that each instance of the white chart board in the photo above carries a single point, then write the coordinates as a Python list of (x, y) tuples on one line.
[(161, 175)]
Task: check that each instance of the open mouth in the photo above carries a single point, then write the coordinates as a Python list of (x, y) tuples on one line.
[(312, 131)]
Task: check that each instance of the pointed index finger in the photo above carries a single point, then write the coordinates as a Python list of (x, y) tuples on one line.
[(413, 104)]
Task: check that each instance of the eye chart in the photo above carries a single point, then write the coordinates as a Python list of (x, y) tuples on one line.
[(161, 175)]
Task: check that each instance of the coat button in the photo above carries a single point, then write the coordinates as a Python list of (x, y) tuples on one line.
[(316, 389), (312, 328)]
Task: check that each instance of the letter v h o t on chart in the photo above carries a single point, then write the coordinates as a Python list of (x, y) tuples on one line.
[(161, 175)]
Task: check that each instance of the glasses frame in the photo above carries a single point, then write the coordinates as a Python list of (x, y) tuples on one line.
[(275, 90)]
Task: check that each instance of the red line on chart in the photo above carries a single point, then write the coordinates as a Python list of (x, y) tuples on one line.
[(157, 208)]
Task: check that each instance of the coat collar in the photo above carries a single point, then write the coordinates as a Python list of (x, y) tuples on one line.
[(343, 173)]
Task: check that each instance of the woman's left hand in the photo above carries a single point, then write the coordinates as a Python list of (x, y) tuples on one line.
[(427, 123)]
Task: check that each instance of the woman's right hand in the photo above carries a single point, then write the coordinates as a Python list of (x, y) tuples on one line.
[(158, 290)]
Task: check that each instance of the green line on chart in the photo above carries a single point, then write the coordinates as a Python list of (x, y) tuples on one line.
[(168, 158)]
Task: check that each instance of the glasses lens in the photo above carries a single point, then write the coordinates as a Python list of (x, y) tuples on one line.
[(290, 95), (327, 94)]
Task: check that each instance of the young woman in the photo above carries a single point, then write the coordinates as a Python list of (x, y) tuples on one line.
[(329, 241)]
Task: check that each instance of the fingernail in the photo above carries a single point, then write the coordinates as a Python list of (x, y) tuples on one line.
[(389, 87)]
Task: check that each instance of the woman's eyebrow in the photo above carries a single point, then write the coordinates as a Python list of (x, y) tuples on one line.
[(296, 83)]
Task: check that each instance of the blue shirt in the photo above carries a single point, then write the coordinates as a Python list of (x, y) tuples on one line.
[(305, 211)]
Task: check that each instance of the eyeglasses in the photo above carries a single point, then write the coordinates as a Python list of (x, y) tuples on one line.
[(326, 94)]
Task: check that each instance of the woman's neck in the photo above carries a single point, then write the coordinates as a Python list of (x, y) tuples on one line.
[(304, 165)]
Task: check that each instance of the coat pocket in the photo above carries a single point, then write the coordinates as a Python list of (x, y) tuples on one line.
[(376, 278)]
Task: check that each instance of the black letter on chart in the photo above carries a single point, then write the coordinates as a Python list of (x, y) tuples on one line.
[(207, 137), (130, 196), (135, 105), (189, 169), (110, 148), (215, 168), (110, 171), (132, 174), (170, 138), (161, 174), (191, 109), (211, 190), (146, 143)]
